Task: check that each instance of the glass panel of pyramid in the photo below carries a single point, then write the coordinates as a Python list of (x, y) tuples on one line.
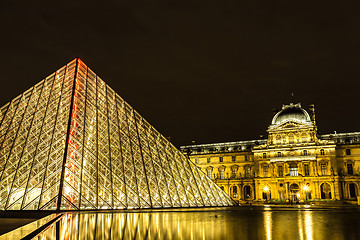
[(71, 142)]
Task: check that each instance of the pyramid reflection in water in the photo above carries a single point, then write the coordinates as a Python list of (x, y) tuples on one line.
[(71, 142)]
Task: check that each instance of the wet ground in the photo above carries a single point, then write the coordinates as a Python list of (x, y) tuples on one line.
[(300, 222)]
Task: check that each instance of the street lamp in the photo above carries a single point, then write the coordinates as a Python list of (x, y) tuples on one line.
[(266, 190), (306, 189)]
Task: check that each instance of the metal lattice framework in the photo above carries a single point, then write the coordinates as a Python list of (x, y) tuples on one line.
[(71, 142)]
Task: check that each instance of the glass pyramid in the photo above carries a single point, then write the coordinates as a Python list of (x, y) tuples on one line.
[(71, 142)]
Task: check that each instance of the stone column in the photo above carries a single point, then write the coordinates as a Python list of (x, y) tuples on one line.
[(287, 191), (337, 192)]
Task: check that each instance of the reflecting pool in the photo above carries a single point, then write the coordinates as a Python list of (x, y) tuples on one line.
[(218, 223)]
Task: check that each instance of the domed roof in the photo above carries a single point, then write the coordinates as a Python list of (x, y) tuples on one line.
[(292, 112)]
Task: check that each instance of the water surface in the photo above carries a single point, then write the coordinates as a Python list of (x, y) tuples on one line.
[(214, 223)]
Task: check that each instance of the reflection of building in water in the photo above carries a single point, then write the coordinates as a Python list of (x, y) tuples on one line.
[(268, 225), (294, 163)]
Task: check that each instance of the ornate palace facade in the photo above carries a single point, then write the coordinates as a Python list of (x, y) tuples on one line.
[(293, 164)]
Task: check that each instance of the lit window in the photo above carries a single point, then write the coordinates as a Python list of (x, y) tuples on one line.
[(264, 155), (233, 158), (234, 172), (247, 172), (222, 174), (323, 169), (208, 160), (350, 168), (221, 159), (209, 173), (348, 151), (294, 170), (322, 152)]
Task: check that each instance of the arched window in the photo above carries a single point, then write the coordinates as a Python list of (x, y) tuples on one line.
[(247, 192), (279, 154), (305, 152), (322, 152), (264, 155), (325, 191), (234, 192)]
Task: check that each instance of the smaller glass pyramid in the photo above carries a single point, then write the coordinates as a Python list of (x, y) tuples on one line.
[(71, 142)]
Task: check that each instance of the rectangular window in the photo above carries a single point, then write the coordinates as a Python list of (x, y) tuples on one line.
[(234, 172), (247, 173), (350, 169), (348, 151), (265, 171), (221, 159), (279, 154), (222, 174), (323, 169), (264, 155), (233, 158), (306, 170), (246, 157), (280, 171), (209, 173), (208, 160), (305, 153), (294, 170)]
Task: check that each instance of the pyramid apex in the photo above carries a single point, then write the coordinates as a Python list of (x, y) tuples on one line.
[(87, 148)]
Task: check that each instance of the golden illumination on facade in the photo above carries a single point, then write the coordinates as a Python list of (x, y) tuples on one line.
[(294, 163)]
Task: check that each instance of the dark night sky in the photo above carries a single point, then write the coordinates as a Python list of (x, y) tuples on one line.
[(208, 71)]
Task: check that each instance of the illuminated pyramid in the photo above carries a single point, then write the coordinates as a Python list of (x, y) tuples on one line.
[(71, 142)]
